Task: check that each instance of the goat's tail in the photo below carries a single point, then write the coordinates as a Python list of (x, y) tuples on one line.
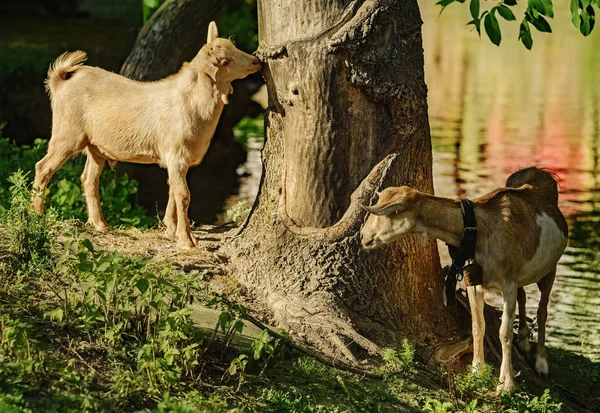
[(543, 181), (63, 68)]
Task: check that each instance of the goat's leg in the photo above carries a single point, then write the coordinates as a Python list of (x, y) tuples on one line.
[(181, 194), (523, 337), (89, 181), (541, 358), (478, 325), (59, 151), (170, 219), (507, 380)]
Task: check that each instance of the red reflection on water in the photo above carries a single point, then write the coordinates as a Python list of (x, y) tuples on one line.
[(557, 145)]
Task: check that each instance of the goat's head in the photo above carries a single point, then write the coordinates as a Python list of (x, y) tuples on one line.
[(391, 217), (227, 62)]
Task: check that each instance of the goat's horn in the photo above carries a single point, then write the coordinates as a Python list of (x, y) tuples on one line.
[(382, 209)]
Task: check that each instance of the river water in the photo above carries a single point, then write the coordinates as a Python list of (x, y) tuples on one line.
[(494, 110)]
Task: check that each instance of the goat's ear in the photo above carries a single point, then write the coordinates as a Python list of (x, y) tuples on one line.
[(213, 33), (385, 208)]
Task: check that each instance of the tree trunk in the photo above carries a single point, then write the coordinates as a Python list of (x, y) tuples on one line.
[(173, 35), (347, 117)]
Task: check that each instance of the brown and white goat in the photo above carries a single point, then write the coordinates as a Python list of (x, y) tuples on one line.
[(521, 234), (112, 118)]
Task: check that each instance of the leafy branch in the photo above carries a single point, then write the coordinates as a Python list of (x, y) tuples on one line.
[(583, 17)]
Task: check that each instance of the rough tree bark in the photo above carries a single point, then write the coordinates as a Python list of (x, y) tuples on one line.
[(173, 35), (347, 117)]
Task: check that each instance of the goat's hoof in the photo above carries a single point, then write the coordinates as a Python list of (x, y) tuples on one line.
[(101, 227), (187, 242), (185, 245), (541, 366)]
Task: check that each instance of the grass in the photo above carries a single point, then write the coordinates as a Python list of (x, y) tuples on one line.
[(88, 330)]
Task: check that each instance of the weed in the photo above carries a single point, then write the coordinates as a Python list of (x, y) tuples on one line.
[(397, 361), (264, 349), (19, 358), (29, 233), (472, 407), (476, 383), (308, 368), (525, 403), (436, 406), (237, 212), (283, 402), (407, 355), (391, 360), (64, 192)]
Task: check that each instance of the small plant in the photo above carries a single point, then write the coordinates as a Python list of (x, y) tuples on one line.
[(29, 233), (19, 358), (472, 407), (237, 212), (436, 406), (64, 191), (391, 360), (264, 349), (407, 354), (396, 361), (286, 402), (237, 367), (525, 403), (308, 368), (475, 383)]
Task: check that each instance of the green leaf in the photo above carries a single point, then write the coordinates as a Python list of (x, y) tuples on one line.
[(549, 8), (544, 7), (575, 13), (56, 314), (142, 285), (525, 34), (444, 3), (492, 28), (88, 244), (539, 22), (474, 7), (476, 23), (588, 21), (510, 2), (506, 13)]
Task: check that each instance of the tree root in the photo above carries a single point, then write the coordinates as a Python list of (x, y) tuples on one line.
[(335, 345)]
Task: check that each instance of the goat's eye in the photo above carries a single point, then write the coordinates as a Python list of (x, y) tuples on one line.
[(225, 62)]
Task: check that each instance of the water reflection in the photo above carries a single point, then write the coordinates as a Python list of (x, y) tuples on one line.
[(495, 110)]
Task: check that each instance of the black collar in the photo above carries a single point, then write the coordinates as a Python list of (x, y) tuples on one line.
[(466, 249), (463, 253)]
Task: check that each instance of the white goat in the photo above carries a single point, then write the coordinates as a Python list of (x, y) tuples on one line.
[(521, 234), (112, 118)]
